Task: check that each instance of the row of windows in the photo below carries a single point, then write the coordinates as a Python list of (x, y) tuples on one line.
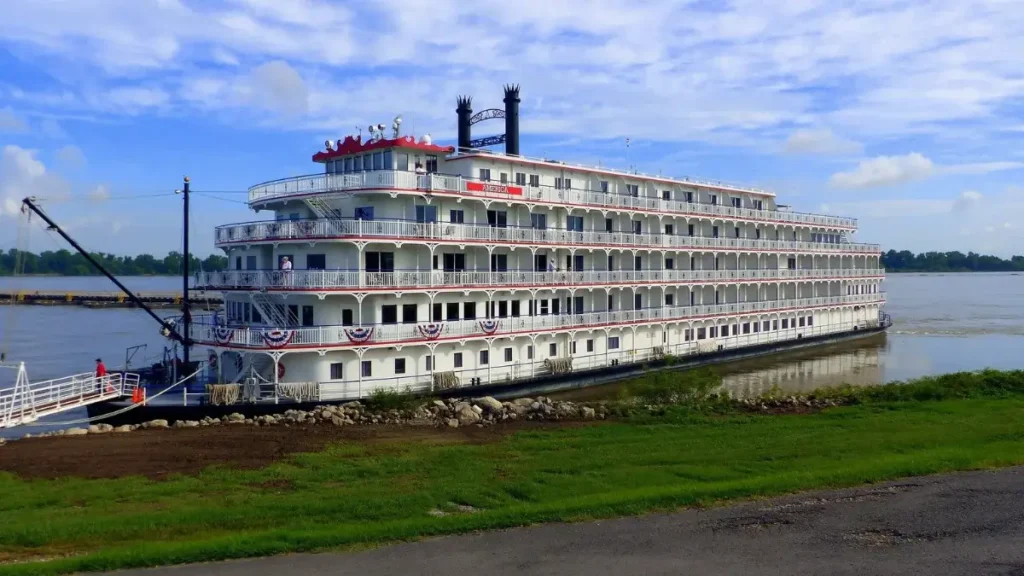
[(382, 160), (562, 183), (400, 364), (744, 328)]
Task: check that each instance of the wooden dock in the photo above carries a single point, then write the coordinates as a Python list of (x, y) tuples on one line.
[(155, 299)]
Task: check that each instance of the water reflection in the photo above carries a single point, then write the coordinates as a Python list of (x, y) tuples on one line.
[(858, 363)]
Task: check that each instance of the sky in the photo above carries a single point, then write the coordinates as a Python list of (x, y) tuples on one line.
[(908, 115)]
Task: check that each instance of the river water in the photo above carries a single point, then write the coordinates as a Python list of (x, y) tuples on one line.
[(942, 323)]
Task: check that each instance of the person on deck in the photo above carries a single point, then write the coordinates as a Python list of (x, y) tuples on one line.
[(286, 269), (101, 375)]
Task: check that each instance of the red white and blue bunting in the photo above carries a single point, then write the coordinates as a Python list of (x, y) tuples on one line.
[(359, 335), (223, 334), (277, 338), (490, 326), (431, 331)]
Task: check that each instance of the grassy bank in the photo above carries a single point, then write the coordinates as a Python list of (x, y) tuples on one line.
[(353, 494)]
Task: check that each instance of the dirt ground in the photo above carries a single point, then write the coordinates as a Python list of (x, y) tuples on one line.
[(156, 454)]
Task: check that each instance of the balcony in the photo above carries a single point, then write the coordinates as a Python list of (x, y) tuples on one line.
[(444, 232), (456, 185), (357, 280), (205, 331)]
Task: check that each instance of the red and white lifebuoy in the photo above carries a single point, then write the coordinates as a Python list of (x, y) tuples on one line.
[(280, 370)]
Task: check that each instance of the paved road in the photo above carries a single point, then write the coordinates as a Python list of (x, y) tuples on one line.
[(970, 523)]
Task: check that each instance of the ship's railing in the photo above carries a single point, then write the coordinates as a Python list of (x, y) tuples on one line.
[(300, 280), (410, 181), (25, 403), (412, 231), (206, 330)]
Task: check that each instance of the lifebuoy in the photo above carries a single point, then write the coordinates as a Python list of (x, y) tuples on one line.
[(280, 370)]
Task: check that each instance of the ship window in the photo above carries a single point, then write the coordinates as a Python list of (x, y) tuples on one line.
[(766, 326), (380, 261), (604, 186), (759, 204), (544, 307), (785, 323), (408, 313), (469, 311), (348, 165), (521, 178), (484, 357), (503, 177), (436, 312), (431, 164), (638, 263), (609, 225), (378, 161), (250, 262), (426, 213), (638, 301), (403, 161), (388, 163), (590, 345), (400, 366), (503, 309), (757, 327), (389, 314), (539, 221), (572, 347), (574, 223), (775, 324), (456, 216), (611, 303), (534, 180), (713, 332), (364, 213), (757, 233), (452, 311), (238, 262), (669, 229), (725, 330), (367, 369), (454, 262), (515, 308), (508, 354), (737, 202), (714, 199), (316, 261), (337, 371), (485, 174), (368, 162), (670, 263), (307, 315), (457, 360), (666, 194), (746, 327), (633, 190), (802, 321), (689, 197), (529, 352), (497, 218), (346, 317), (670, 299), (702, 333), (429, 362)]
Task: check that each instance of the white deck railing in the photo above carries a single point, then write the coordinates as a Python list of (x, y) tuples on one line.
[(410, 231), (312, 280), (26, 401), (443, 183), (205, 331)]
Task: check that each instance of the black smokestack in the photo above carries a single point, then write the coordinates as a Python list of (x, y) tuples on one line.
[(464, 110), (512, 119)]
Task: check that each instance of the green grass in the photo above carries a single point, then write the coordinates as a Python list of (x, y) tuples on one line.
[(355, 494)]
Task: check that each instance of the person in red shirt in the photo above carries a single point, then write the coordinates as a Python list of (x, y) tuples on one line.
[(101, 373)]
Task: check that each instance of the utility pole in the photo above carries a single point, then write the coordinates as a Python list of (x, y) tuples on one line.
[(186, 308)]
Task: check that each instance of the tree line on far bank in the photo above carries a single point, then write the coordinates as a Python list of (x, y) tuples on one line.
[(907, 261), (67, 263)]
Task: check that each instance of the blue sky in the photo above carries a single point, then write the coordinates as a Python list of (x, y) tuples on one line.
[(907, 115)]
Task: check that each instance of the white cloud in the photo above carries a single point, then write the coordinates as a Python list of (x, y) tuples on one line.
[(71, 156), (822, 141), (52, 129), (967, 200), (11, 122), (99, 194), (885, 171), (277, 86), (981, 167), (22, 174)]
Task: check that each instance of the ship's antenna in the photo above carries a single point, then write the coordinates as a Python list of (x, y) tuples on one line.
[(628, 163)]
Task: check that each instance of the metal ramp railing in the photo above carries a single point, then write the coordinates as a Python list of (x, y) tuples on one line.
[(28, 401)]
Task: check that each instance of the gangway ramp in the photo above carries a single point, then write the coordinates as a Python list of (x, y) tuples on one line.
[(28, 401)]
